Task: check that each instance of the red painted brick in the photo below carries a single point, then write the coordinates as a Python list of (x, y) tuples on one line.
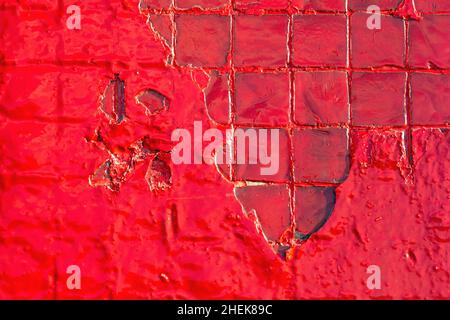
[(311, 48), (271, 204), (430, 97), (321, 155), (202, 40), (262, 99), (94, 40), (260, 40), (378, 47), (313, 205), (321, 98), (429, 45), (325, 5), (378, 98), (251, 172)]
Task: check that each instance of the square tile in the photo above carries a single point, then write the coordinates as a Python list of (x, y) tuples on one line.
[(154, 4), (430, 95), (21, 30), (217, 98), (93, 41), (202, 4), (202, 40), (260, 40), (362, 5), (80, 88), (261, 4), (320, 5), (271, 205), (27, 150), (44, 5), (249, 147), (320, 40), (137, 44), (432, 5), (162, 25), (321, 97), (378, 98), (429, 45), (321, 155), (262, 99), (377, 47), (313, 206)]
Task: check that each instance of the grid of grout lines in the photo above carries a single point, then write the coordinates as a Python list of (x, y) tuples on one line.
[(316, 52)]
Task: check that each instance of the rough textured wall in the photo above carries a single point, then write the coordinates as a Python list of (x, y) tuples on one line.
[(83, 182)]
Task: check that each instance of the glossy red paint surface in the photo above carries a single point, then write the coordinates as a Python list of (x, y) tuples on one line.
[(192, 240)]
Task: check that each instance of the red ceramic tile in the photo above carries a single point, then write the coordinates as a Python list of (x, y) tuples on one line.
[(378, 47), (202, 40), (432, 5), (217, 98), (364, 4), (261, 4), (313, 206), (252, 172), (325, 5), (311, 48), (202, 4), (429, 45), (378, 99), (430, 97), (320, 155), (154, 4), (271, 205), (321, 97), (163, 25), (262, 99), (260, 40), (27, 264)]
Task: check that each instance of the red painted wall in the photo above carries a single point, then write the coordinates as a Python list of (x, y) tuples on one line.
[(193, 241)]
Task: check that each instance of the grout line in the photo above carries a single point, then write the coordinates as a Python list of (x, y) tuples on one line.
[(408, 100), (290, 48), (249, 69), (349, 87), (232, 72)]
